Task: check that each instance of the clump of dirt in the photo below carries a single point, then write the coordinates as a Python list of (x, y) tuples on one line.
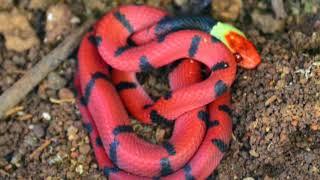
[(59, 22), (227, 10), (276, 108), (17, 31)]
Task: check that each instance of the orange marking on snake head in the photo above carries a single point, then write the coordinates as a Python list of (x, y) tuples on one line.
[(244, 51)]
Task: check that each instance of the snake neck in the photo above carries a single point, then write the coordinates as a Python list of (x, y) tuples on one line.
[(221, 30), (171, 24)]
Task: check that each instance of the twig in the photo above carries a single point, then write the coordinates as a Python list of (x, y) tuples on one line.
[(39, 149), (13, 110), (35, 75), (61, 101), (25, 117)]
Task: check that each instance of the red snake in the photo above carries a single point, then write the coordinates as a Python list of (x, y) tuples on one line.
[(132, 39)]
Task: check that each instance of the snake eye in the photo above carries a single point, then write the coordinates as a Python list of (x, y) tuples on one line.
[(238, 57)]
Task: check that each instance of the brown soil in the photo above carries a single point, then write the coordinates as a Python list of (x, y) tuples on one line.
[(276, 107)]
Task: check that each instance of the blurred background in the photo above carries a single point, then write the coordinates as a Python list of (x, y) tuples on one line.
[(276, 113)]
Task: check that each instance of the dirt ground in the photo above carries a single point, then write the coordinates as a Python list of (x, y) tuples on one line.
[(276, 117)]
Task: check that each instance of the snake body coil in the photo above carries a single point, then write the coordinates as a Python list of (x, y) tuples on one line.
[(132, 39)]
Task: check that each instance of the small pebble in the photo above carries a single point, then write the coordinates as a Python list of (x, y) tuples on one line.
[(30, 140), (95, 5), (84, 149), (267, 129), (16, 159), (72, 133), (33, 54), (8, 167), (294, 122), (79, 169), (55, 81), (315, 170), (55, 159), (75, 20), (46, 116), (314, 127), (65, 93), (248, 178), (253, 153), (74, 155), (58, 22), (38, 130), (94, 166), (283, 137), (51, 93), (8, 80), (42, 88), (19, 60)]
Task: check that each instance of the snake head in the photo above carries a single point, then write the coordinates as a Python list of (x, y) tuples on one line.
[(245, 53)]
